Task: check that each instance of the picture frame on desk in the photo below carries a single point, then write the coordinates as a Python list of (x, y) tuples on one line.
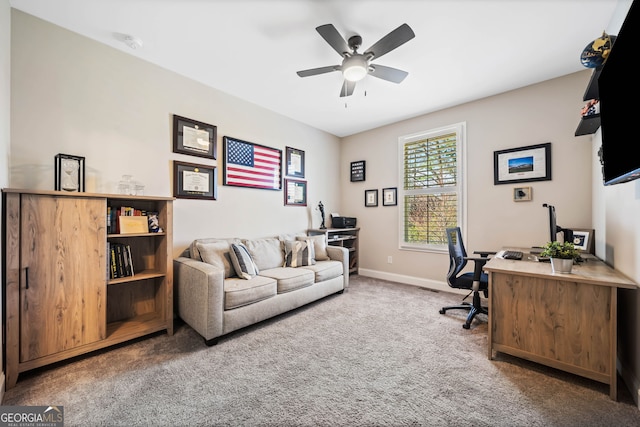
[(522, 164), (194, 138), (583, 239)]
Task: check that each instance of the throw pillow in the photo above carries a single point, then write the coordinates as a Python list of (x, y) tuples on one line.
[(242, 261), (216, 254), (298, 253), (319, 246)]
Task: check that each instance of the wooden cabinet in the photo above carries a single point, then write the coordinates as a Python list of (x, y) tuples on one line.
[(345, 237), (60, 301)]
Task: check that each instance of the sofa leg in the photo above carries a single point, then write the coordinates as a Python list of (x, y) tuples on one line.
[(211, 342), (340, 291)]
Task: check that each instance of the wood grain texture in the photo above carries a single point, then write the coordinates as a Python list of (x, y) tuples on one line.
[(566, 321), (63, 252)]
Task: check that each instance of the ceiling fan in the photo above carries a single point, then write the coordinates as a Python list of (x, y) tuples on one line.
[(355, 66)]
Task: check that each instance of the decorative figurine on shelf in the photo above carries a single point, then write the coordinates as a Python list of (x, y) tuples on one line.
[(321, 207)]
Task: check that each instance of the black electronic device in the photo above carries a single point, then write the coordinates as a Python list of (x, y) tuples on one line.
[(512, 255), (343, 222), (618, 88), (554, 228)]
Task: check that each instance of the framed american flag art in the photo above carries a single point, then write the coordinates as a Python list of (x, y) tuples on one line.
[(251, 165)]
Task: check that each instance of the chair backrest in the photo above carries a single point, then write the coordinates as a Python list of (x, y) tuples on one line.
[(457, 254)]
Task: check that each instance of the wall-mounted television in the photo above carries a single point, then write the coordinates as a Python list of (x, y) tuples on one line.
[(619, 88)]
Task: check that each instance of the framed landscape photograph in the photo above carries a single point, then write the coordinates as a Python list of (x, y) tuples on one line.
[(193, 137), (193, 181), (370, 198), (523, 164), (251, 165), (295, 193), (294, 162)]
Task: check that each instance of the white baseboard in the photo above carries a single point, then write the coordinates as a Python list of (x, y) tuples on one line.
[(435, 285)]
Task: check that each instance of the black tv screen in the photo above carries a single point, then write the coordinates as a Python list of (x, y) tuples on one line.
[(619, 88)]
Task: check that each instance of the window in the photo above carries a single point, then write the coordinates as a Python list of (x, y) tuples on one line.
[(431, 194)]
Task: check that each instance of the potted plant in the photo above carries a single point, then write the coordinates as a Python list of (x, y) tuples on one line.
[(562, 255)]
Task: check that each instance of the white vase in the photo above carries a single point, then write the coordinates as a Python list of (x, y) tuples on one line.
[(561, 265)]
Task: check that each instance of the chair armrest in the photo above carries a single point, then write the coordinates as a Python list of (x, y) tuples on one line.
[(338, 253), (484, 253), (200, 295)]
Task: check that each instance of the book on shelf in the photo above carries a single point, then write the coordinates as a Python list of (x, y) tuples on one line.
[(120, 261)]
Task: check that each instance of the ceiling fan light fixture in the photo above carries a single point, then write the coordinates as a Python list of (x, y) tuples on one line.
[(355, 68)]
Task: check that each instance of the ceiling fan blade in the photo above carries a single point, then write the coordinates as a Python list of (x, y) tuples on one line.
[(387, 73), (347, 88), (395, 38), (333, 37), (316, 71)]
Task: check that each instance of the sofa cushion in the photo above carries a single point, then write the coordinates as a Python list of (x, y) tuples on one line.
[(217, 254), (239, 292), (289, 278), (242, 262), (194, 253), (298, 253), (319, 245), (325, 270), (267, 253)]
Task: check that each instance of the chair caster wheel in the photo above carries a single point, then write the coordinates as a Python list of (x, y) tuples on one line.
[(442, 311), (466, 326)]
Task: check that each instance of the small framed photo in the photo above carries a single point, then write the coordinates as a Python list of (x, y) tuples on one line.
[(358, 171), (390, 196), (522, 194), (194, 138), (295, 162), (69, 173), (295, 192), (522, 164), (370, 198), (584, 240), (193, 181)]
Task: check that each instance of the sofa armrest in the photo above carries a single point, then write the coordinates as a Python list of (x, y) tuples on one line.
[(338, 253), (200, 295)]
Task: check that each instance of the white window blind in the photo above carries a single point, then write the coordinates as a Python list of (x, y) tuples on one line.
[(431, 187)]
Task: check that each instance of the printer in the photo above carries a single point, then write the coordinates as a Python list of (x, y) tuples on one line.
[(342, 221)]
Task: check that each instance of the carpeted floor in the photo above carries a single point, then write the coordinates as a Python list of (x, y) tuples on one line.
[(377, 355)]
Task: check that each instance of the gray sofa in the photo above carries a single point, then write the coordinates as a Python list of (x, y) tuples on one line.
[(214, 300)]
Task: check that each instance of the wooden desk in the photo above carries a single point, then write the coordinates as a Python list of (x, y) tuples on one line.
[(565, 321)]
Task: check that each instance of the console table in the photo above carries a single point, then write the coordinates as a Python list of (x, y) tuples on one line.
[(565, 321)]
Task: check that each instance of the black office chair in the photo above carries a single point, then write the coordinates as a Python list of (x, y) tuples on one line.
[(474, 282)]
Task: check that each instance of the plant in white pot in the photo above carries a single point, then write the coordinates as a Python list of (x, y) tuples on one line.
[(562, 255)]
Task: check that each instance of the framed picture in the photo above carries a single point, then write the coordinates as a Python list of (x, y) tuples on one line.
[(251, 165), (370, 198), (69, 173), (295, 162), (390, 196), (192, 181), (295, 193), (358, 171), (524, 164), (522, 194), (194, 137), (584, 240)]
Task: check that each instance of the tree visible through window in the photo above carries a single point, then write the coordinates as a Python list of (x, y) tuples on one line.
[(431, 192)]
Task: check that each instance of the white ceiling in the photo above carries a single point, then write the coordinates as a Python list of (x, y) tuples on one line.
[(463, 49)]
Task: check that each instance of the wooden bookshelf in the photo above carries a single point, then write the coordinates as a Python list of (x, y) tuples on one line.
[(56, 260)]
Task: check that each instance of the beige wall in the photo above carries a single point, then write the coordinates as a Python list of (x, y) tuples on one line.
[(546, 112), (73, 95), (5, 85)]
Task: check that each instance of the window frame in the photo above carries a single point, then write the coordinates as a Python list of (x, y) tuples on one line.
[(460, 188)]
